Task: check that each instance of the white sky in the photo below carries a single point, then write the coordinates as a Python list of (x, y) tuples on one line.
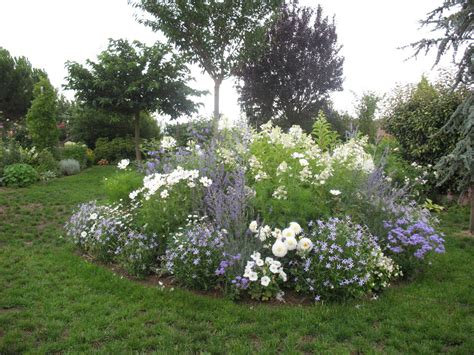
[(50, 32)]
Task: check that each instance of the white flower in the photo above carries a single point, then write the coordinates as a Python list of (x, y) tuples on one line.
[(205, 181), (259, 262), (256, 255), (288, 233), (123, 164), (164, 194), (253, 227), (291, 243), (335, 192), (93, 216), (132, 195), (304, 162), (253, 276), (276, 233), (265, 281), (297, 155), (168, 142), (283, 275), (274, 268), (191, 184), (296, 228), (279, 249), (305, 244), (282, 168), (83, 234)]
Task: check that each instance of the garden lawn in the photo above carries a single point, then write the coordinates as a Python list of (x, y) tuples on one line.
[(53, 300)]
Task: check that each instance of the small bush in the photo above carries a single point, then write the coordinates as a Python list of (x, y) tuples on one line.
[(114, 150), (76, 151), (120, 185), (19, 175), (69, 166), (46, 162)]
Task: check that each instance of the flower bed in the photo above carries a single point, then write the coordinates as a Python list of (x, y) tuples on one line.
[(259, 214)]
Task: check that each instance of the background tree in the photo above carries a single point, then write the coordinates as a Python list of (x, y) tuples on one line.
[(415, 113), (41, 117), (298, 69), (17, 79), (366, 107), (210, 33), (456, 19), (130, 79), (87, 125)]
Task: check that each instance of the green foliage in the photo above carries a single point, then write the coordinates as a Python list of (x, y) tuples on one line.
[(76, 151), (199, 130), (18, 78), (46, 162), (366, 108), (69, 167), (460, 160), (211, 33), (87, 124), (416, 114), (323, 134), (41, 119), (119, 186), (130, 78), (114, 150), (19, 175)]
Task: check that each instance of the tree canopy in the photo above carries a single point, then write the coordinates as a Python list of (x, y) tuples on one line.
[(130, 78), (298, 69), (211, 33), (17, 79)]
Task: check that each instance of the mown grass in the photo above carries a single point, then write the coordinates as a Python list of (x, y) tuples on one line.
[(52, 300)]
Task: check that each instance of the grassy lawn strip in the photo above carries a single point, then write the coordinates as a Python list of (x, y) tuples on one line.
[(52, 300)]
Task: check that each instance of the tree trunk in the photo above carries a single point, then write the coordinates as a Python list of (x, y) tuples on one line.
[(471, 224), (217, 85), (138, 154)]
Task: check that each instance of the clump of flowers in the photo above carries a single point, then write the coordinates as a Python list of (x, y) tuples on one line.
[(194, 254), (410, 242), (107, 233), (341, 260), (137, 252), (264, 276)]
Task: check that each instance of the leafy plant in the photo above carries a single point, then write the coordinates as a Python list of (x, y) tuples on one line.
[(69, 167), (19, 175), (77, 151), (114, 150), (323, 134)]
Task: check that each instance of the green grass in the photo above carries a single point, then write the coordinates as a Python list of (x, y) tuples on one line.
[(52, 300)]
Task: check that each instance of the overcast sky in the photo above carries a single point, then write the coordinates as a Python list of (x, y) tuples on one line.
[(50, 32)]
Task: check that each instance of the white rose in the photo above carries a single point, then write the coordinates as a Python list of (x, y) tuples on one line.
[(279, 249), (253, 227), (288, 233), (291, 243), (305, 244), (296, 228), (265, 281), (123, 164)]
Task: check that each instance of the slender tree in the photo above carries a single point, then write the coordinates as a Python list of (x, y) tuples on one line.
[(298, 69), (366, 107), (131, 78), (456, 19), (211, 33), (41, 117)]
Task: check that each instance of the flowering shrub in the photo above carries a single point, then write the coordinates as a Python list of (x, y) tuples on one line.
[(409, 242), (345, 260), (194, 255)]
